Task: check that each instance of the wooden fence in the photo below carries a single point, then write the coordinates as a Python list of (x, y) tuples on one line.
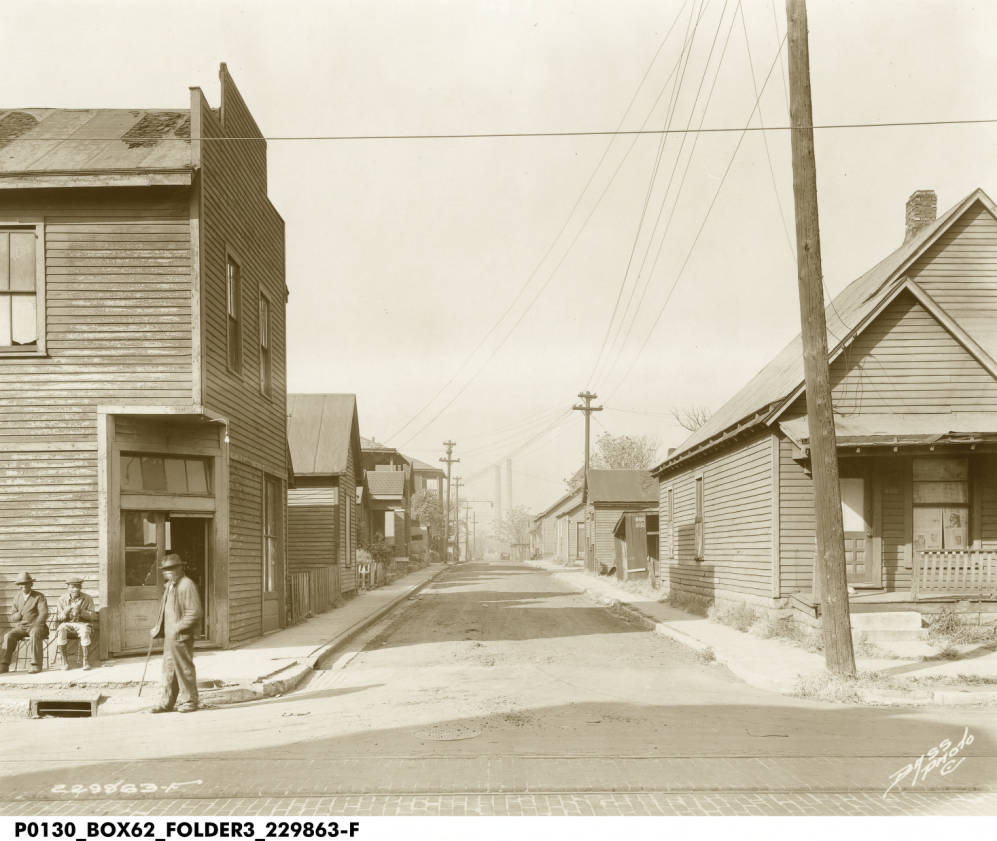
[(963, 572), (311, 591)]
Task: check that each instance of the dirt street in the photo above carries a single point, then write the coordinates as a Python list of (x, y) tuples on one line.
[(493, 679)]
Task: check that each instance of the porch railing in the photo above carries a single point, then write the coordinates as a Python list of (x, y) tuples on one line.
[(966, 571)]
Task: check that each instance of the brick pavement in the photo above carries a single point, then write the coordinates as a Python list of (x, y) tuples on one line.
[(712, 803)]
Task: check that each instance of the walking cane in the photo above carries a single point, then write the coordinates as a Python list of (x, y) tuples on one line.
[(145, 667)]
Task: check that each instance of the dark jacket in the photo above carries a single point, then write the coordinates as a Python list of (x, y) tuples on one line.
[(180, 611), (29, 610)]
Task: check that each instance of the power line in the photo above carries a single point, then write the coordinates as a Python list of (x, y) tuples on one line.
[(687, 51), (581, 133), (564, 227), (625, 324), (702, 225)]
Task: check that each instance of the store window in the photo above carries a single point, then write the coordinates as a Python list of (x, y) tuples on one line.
[(181, 475), (941, 503)]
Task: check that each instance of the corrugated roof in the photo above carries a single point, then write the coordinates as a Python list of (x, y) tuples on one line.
[(622, 486), (784, 373), (386, 483), (319, 432), (45, 140)]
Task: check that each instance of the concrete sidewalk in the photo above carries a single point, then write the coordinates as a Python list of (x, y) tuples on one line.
[(271, 665), (776, 665)]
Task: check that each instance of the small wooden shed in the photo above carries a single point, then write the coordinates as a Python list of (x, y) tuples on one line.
[(636, 544)]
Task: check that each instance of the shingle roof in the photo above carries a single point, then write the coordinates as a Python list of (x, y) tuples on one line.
[(319, 432), (784, 373), (46, 140), (386, 483), (622, 486)]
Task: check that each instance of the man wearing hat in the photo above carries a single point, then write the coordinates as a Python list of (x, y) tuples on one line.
[(28, 618), (178, 617), (74, 613)]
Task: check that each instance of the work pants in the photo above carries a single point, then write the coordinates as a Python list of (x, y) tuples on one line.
[(179, 677), (38, 633)]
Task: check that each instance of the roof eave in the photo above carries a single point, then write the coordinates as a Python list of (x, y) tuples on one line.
[(182, 177)]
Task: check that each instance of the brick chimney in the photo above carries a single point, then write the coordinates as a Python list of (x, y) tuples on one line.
[(922, 209)]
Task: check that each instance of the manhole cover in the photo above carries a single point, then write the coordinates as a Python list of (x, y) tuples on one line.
[(448, 732)]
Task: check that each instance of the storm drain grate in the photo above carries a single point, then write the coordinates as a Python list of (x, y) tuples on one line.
[(448, 733), (64, 709)]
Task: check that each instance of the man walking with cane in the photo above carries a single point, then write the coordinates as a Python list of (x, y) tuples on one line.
[(178, 617)]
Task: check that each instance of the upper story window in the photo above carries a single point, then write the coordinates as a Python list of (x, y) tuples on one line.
[(700, 521), (21, 289), (266, 354), (233, 277)]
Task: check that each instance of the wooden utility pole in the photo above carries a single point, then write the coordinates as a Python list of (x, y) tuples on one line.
[(457, 483), (467, 532), (588, 409), (449, 461), (838, 653)]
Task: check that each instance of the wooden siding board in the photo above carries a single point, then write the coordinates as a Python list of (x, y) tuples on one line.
[(118, 324), (738, 523)]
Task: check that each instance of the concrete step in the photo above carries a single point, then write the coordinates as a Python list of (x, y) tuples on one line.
[(893, 620)]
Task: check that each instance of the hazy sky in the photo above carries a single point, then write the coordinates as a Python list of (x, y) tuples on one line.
[(404, 254)]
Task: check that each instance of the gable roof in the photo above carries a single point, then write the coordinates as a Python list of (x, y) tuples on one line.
[(64, 140), (321, 428), (846, 315), (556, 505), (386, 484), (622, 486)]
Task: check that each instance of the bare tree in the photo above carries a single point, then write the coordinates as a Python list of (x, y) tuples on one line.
[(618, 452), (515, 526), (691, 417)]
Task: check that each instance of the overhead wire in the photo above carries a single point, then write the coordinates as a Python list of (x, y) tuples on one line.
[(687, 52), (702, 225), (625, 324), (571, 214)]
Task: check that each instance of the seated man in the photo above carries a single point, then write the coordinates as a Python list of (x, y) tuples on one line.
[(28, 618), (74, 613)]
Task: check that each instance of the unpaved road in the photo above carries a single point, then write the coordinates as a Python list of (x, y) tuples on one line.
[(496, 679)]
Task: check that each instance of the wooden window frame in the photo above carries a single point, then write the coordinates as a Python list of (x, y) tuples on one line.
[(270, 531), (699, 490), (266, 344), (233, 323), (39, 347)]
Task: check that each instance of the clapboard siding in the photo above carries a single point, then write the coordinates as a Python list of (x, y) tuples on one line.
[(311, 532), (895, 473), (245, 552), (605, 521), (986, 470), (347, 497), (118, 330), (737, 512), (797, 524), (237, 216), (959, 271)]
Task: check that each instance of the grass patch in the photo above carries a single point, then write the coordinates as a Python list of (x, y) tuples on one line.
[(688, 602), (706, 656), (738, 615), (950, 628), (828, 687)]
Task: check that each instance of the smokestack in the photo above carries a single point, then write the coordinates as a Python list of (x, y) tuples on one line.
[(922, 210), (498, 494), (508, 483)]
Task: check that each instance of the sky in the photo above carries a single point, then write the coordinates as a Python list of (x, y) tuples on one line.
[(466, 289)]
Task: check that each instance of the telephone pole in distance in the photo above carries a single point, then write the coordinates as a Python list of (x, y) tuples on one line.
[(457, 483), (449, 460)]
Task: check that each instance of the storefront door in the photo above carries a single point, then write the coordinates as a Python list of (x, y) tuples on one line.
[(147, 537), (856, 517)]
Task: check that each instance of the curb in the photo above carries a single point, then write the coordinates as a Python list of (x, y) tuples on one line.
[(789, 687), (278, 683), (288, 679)]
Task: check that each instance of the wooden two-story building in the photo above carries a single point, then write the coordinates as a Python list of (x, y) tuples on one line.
[(913, 344), (142, 300)]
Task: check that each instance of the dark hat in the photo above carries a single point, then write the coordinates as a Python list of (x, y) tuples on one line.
[(171, 561), (75, 580), (25, 578)]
